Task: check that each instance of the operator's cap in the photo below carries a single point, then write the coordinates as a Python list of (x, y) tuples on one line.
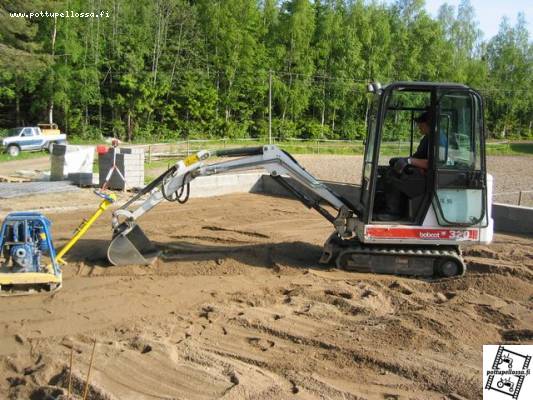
[(424, 117)]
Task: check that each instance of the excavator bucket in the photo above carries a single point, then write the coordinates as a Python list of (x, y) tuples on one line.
[(131, 247)]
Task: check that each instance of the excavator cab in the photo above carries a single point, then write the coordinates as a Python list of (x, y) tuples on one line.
[(439, 207), (452, 190)]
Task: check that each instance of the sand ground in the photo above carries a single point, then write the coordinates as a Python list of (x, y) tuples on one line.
[(238, 307)]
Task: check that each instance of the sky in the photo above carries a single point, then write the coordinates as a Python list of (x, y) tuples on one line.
[(490, 12)]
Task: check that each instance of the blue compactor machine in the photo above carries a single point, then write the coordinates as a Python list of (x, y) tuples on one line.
[(28, 253)]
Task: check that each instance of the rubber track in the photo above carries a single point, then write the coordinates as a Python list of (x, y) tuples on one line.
[(401, 251)]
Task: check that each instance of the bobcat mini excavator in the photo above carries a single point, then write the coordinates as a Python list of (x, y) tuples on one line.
[(445, 207)]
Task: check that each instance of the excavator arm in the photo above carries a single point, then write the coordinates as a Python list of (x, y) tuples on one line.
[(131, 246)]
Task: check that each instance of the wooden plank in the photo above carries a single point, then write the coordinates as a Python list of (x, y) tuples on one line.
[(13, 179)]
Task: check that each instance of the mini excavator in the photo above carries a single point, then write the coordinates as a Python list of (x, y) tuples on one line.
[(443, 207)]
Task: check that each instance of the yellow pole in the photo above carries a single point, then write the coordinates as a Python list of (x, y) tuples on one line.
[(84, 227)]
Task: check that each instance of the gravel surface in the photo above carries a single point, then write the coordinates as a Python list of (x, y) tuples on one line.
[(511, 173)]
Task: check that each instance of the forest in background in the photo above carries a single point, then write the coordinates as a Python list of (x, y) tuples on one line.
[(168, 69)]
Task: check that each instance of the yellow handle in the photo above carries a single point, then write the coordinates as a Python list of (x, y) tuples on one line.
[(84, 228)]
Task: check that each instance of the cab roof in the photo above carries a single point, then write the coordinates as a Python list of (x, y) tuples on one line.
[(425, 85)]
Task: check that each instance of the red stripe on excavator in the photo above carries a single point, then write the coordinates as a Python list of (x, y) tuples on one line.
[(423, 234)]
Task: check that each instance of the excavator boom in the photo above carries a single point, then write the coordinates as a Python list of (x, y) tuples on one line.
[(131, 246)]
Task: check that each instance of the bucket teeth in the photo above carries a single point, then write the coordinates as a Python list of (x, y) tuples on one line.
[(130, 247)]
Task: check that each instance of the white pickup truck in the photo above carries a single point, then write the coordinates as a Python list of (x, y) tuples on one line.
[(31, 139)]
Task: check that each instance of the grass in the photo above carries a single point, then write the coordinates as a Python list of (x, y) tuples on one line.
[(296, 147), (340, 148), (80, 141), (313, 148), (511, 149), (22, 156), (167, 163)]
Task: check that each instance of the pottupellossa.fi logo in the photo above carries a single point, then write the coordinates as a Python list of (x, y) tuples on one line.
[(506, 372)]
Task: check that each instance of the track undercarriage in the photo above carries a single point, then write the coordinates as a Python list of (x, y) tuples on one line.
[(407, 260)]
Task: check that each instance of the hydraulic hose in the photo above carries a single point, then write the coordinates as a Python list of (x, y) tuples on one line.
[(177, 195), (239, 152), (150, 186)]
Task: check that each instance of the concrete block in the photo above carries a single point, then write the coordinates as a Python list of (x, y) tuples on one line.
[(10, 190), (81, 178), (217, 185), (130, 162), (66, 159), (59, 149), (507, 218), (512, 219), (258, 182), (349, 192), (132, 150)]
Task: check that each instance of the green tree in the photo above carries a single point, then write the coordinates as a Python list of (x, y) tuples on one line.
[(169, 68), (21, 60), (293, 90), (510, 56)]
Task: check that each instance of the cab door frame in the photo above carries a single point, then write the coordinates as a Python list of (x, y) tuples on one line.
[(463, 179), (368, 185)]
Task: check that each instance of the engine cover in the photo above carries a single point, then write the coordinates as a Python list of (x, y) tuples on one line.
[(26, 257)]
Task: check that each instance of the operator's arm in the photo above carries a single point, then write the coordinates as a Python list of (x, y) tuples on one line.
[(418, 162), (420, 158)]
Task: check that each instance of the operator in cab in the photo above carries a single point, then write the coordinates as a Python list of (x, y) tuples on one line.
[(406, 171), (420, 157)]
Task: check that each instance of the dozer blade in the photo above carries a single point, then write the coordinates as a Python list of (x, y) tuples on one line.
[(131, 247)]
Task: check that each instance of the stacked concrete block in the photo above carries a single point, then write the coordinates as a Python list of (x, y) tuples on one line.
[(130, 163), (75, 161), (83, 179), (57, 162)]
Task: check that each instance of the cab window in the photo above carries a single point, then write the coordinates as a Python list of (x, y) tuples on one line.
[(457, 125), (460, 196), (400, 136)]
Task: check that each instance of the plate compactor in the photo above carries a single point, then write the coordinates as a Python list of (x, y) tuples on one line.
[(28, 251), (28, 259), (442, 192)]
